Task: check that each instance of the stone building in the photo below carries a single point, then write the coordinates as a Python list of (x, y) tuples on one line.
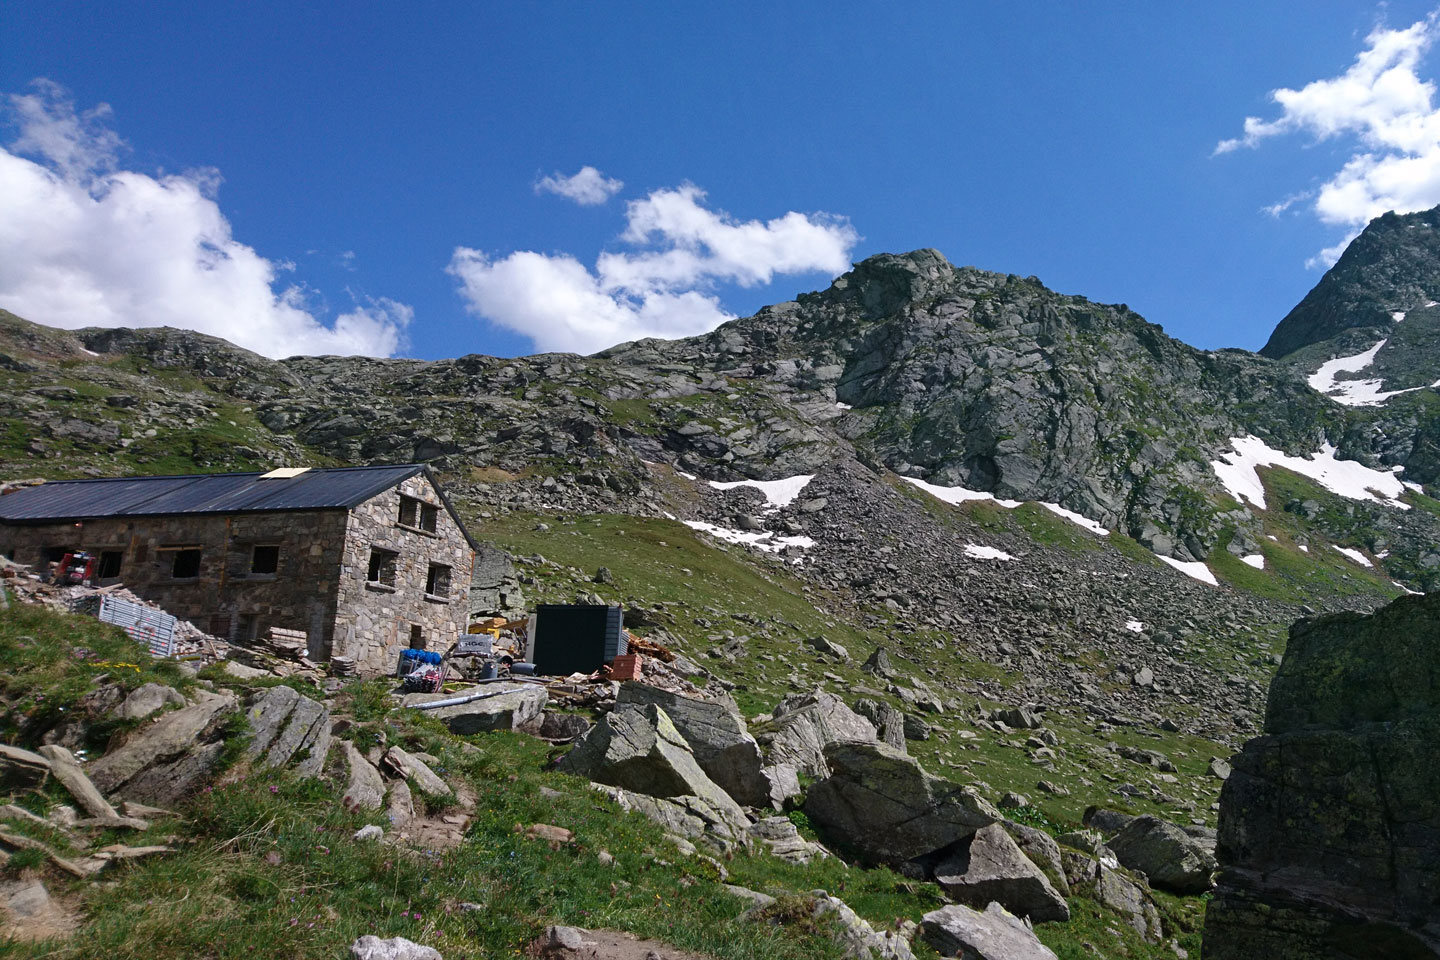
[(364, 560)]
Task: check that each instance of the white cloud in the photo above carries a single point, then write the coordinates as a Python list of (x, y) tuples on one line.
[(84, 243), (588, 188), (1384, 107), (661, 287)]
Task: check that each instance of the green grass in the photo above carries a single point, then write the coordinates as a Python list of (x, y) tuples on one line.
[(262, 859), (49, 661)]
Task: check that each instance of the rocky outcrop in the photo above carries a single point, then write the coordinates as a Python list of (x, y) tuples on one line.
[(285, 725), (1329, 839), (161, 762), (884, 806)]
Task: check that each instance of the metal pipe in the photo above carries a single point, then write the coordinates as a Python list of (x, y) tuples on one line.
[(457, 701)]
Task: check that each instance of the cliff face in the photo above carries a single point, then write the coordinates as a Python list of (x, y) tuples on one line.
[(1330, 823)]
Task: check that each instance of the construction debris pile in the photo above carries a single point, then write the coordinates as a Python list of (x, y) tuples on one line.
[(185, 640)]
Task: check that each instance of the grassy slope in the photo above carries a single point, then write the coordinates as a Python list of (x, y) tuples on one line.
[(262, 859)]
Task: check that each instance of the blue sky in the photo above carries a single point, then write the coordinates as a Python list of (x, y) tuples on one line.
[(366, 178)]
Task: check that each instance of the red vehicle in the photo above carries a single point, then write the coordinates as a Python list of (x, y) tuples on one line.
[(79, 567)]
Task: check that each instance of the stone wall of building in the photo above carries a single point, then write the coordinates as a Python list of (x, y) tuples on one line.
[(229, 595), (376, 619)]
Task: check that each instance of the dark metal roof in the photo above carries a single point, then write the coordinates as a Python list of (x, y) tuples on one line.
[(317, 489)]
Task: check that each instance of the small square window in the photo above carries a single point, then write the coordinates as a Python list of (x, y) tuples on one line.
[(382, 566), (109, 564), (186, 565), (409, 511), (437, 580), (264, 560)]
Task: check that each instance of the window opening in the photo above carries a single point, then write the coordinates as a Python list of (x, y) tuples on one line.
[(264, 559), (428, 515), (186, 565), (437, 580), (417, 637), (409, 511), (382, 566), (109, 564)]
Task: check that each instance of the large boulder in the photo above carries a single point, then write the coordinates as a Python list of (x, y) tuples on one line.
[(803, 726), (883, 805), (1329, 841), (718, 738), (638, 749), (989, 866), (1169, 857), (505, 706), (958, 931)]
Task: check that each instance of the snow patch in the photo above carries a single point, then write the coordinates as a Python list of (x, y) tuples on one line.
[(1194, 568), (1256, 560), (1355, 555), (1272, 536), (843, 406), (761, 540), (1398, 315), (779, 493), (1077, 518), (1413, 593), (687, 476), (1432, 303), (1347, 478), (1134, 626), (977, 552), (1354, 393), (958, 495), (1304, 549), (89, 352)]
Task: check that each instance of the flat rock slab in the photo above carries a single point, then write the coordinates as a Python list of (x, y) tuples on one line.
[(67, 770), (396, 948), (366, 790), (173, 734), (505, 706), (572, 943), (958, 931), (415, 770)]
